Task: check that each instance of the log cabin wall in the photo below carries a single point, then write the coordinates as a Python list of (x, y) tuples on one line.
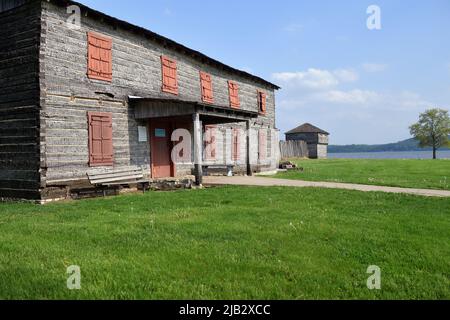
[(19, 99), (45, 95), (136, 65)]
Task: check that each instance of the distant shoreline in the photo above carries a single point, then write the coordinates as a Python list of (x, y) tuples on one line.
[(391, 151), (410, 145), (422, 155)]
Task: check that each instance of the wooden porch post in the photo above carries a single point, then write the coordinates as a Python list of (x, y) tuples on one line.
[(249, 164), (198, 149)]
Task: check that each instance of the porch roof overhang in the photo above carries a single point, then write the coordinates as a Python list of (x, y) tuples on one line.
[(148, 108)]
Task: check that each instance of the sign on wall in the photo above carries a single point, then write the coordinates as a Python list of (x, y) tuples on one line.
[(142, 134), (160, 133)]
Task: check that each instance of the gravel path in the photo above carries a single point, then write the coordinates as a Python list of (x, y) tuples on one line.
[(271, 182)]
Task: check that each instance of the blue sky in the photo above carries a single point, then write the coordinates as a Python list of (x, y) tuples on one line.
[(363, 86)]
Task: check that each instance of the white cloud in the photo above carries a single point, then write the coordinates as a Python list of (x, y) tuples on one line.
[(376, 117), (363, 99), (374, 67), (293, 28), (346, 75), (316, 79), (354, 97), (407, 100), (312, 78), (354, 116), (316, 85), (332, 100)]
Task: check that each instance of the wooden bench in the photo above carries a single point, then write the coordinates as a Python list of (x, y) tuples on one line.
[(119, 178), (229, 169)]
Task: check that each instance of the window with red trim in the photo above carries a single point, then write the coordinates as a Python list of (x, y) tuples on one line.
[(236, 145), (101, 151), (262, 102), (262, 144), (233, 89), (99, 57), (210, 142), (169, 75), (206, 84)]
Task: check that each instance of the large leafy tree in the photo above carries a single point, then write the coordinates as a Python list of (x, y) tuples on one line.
[(432, 130)]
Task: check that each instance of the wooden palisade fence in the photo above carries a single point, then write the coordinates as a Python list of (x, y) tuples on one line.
[(294, 149)]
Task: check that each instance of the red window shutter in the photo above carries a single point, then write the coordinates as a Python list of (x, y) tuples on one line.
[(233, 89), (236, 145), (206, 84), (101, 151), (262, 144), (262, 102), (96, 155), (99, 57), (211, 142), (107, 140), (169, 75)]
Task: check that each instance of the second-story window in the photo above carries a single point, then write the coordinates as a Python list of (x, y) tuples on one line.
[(206, 84), (169, 75), (236, 145), (262, 102), (99, 57), (210, 142), (233, 89)]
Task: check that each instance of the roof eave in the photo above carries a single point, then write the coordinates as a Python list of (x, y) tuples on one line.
[(294, 132), (167, 42)]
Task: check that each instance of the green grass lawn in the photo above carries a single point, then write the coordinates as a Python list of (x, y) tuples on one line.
[(228, 243), (426, 174)]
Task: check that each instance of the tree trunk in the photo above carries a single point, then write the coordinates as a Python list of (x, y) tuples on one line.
[(434, 147)]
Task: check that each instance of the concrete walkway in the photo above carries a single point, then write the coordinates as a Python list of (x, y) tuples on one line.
[(271, 182)]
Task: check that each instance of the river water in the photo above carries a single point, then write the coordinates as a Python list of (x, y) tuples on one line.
[(390, 155)]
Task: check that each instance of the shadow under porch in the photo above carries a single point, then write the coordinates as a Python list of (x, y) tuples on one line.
[(165, 115)]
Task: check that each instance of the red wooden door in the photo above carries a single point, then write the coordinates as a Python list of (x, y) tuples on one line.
[(161, 147)]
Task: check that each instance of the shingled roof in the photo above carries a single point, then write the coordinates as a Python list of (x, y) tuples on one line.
[(307, 128), (170, 44)]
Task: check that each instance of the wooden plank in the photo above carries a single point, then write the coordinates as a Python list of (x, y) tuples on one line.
[(125, 178), (115, 172), (218, 166), (293, 149), (115, 177), (10, 4), (127, 182)]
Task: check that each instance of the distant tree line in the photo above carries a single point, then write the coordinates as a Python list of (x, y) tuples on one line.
[(431, 133), (406, 145)]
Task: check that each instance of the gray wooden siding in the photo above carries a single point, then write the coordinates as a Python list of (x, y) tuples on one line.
[(66, 141), (6, 5), (68, 94), (19, 101), (294, 149), (136, 66)]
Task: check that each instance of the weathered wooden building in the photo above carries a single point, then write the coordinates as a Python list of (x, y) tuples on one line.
[(82, 93), (316, 139)]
